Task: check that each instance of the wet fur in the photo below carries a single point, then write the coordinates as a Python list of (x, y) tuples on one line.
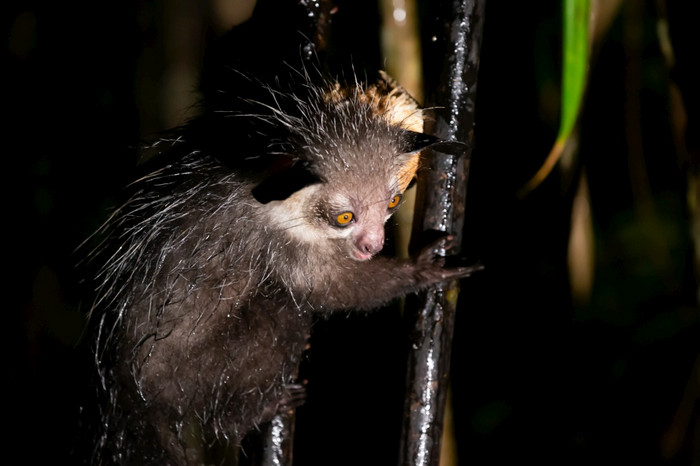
[(206, 288)]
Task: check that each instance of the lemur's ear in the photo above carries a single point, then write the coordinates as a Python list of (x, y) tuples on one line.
[(419, 141), (283, 182)]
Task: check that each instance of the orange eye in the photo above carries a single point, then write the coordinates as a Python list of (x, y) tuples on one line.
[(344, 219), (395, 201)]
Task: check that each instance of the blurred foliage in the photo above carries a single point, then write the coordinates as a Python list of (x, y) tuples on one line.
[(576, 19)]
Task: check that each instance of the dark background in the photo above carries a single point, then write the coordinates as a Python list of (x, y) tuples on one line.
[(540, 372)]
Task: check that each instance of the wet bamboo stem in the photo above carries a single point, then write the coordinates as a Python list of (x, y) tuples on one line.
[(451, 57)]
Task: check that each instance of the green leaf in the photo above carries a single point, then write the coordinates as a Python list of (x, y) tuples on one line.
[(575, 63)]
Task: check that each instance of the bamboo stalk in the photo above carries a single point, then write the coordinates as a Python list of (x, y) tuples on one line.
[(451, 58)]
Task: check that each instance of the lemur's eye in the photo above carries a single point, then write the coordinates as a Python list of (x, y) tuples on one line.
[(395, 201), (344, 219)]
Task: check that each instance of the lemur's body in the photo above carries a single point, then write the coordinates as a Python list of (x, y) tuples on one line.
[(212, 270)]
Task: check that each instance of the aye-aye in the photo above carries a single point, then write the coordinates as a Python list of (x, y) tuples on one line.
[(244, 225)]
